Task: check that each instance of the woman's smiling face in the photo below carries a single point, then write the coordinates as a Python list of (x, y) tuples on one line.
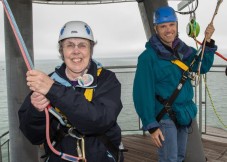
[(77, 55)]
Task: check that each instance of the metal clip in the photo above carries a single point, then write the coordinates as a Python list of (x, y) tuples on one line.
[(83, 147), (78, 150), (74, 133)]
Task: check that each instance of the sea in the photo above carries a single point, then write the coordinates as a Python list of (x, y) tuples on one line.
[(216, 81)]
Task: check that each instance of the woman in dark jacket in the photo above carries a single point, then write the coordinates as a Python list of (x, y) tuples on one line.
[(84, 93)]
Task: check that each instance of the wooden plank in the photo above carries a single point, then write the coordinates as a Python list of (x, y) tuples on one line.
[(141, 149)]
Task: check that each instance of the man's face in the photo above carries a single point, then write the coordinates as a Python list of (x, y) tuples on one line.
[(167, 32)]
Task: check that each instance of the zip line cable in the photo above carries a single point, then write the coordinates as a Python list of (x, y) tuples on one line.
[(30, 66)]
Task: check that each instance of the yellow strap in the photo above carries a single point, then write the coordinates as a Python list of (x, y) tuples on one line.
[(180, 64), (89, 93), (99, 71)]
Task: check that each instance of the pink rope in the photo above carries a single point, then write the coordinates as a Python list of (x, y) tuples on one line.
[(62, 155), (17, 38)]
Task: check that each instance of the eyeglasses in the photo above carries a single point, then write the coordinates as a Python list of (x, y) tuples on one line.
[(71, 46)]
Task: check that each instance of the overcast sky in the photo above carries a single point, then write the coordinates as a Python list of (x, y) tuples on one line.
[(117, 27)]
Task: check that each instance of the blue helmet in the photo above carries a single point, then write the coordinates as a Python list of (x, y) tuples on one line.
[(164, 14)]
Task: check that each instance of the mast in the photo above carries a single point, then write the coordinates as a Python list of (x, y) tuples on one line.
[(20, 148)]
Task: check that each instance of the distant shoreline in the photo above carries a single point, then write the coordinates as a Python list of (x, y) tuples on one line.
[(129, 60)]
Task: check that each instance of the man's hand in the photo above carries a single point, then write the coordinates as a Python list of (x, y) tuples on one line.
[(209, 32), (157, 138)]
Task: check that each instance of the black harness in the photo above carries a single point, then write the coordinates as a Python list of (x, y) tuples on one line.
[(168, 103)]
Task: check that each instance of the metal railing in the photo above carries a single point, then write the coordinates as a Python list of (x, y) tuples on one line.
[(80, 2), (214, 88), (4, 149)]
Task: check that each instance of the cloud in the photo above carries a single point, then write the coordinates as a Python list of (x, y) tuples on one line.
[(115, 27)]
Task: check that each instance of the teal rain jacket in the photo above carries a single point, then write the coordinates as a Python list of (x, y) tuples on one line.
[(156, 75)]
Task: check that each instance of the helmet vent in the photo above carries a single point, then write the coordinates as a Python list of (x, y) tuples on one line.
[(74, 32)]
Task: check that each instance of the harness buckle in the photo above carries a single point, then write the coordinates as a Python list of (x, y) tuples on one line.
[(168, 109), (191, 75), (172, 115)]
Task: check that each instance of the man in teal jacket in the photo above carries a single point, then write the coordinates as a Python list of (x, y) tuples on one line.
[(157, 78)]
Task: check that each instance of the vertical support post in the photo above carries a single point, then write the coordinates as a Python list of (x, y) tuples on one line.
[(20, 148), (146, 8), (0, 150), (195, 146), (200, 104)]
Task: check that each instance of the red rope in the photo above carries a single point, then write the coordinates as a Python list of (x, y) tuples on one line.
[(217, 53)]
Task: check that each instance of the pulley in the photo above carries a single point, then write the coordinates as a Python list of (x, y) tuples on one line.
[(193, 28)]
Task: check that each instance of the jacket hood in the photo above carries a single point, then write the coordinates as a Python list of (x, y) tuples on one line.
[(179, 50)]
